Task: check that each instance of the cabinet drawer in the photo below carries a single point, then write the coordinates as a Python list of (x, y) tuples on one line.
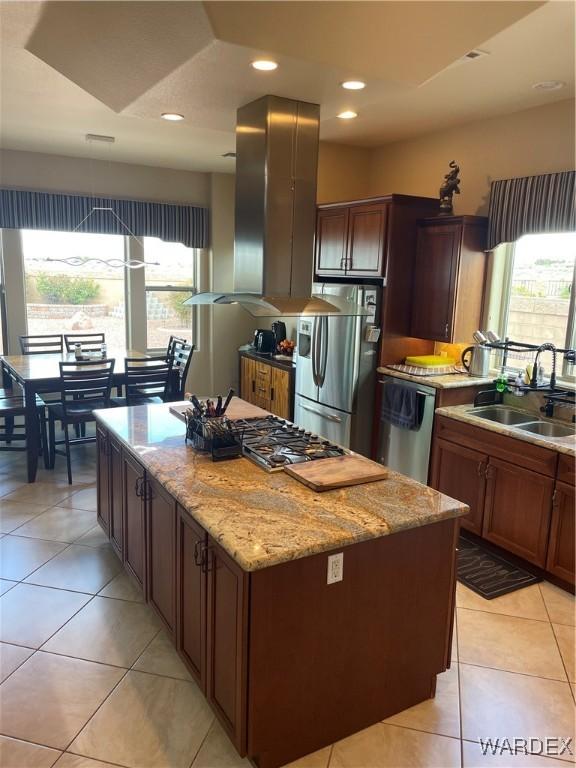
[(566, 469), (510, 449)]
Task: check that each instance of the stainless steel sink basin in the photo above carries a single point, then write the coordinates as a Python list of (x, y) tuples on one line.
[(547, 429), (502, 415)]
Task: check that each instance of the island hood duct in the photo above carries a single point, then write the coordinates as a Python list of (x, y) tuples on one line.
[(276, 168)]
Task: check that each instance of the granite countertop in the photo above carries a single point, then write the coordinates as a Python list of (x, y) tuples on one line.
[(260, 518), (565, 445), (446, 381)]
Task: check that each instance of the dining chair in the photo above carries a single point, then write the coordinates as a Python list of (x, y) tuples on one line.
[(146, 381), (170, 348), (181, 359), (12, 407), (84, 387), (52, 343), (91, 342)]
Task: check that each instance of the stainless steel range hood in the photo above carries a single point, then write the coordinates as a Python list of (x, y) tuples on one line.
[(276, 168)]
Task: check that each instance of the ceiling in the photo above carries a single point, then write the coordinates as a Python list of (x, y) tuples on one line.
[(72, 68)]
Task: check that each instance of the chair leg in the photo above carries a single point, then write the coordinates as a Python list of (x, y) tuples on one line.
[(51, 442), (68, 461), (44, 448), (9, 427), (83, 429)]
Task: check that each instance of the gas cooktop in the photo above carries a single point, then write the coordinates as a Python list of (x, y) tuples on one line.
[(272, 443)]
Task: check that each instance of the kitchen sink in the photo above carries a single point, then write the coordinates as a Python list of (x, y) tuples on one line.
[(502, 415), (547, 429)]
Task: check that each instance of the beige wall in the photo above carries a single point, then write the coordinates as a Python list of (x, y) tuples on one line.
[(531, 142), (343, 172), (76, 175)]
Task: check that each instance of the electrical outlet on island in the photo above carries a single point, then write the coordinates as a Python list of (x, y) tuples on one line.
[(335, 568)]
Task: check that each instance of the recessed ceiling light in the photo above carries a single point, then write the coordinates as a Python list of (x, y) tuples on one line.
[(549, 85), (264, 65), (347, 115), (353, 85), (173, 116)]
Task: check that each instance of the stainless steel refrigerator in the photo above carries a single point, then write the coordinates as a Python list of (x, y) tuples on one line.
[(336, 369)]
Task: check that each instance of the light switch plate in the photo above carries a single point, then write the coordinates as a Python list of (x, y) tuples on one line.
[(335, 568)]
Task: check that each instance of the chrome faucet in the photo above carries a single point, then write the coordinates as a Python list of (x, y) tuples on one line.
[(543, 348)]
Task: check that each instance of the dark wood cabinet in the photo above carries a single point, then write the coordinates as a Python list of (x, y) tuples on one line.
[(560, 559), (268, 385), (517, 510), (103, 479), (366, 240), (227, 625), (460, 473), (331, 241), (134, 528), (191, 595), (449, 276), (116, 497), (161, 538)]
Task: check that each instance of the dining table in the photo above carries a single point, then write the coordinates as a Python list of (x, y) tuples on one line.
[(39, 374)]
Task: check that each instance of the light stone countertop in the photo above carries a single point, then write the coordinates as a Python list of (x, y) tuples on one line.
[(446, 381), (565, 445), (260, 518)]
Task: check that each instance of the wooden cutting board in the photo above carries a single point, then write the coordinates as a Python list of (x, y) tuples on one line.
[(338, 472), (237, 409)]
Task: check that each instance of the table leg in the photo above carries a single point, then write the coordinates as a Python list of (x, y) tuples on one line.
[(32, 430)]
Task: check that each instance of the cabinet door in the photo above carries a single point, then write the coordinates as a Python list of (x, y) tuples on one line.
[(103, 480), (280, 393), (191, 591), (560, 559), (134, 519), (116, 497), (227, 622), (435, 275), (460, 473), (161, 565), (517, 510), (247, 379), (331, 237), (366, 240)]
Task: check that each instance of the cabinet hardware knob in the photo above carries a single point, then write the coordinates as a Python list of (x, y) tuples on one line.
[(198, 552), (446, 330)]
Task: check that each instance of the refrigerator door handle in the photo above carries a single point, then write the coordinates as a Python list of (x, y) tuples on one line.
[(324, 349), (316, 334), (328, 416)]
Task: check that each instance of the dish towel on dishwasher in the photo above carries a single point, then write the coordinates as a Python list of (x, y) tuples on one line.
[(401, 406)]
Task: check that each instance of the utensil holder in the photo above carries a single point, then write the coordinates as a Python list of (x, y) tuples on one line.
[(214, 435)]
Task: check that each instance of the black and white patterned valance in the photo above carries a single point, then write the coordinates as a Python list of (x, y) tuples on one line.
[(184, 224), (531, 205)]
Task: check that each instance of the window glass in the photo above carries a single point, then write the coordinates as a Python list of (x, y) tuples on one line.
[(169, 274), (540, 289), (86, 296)]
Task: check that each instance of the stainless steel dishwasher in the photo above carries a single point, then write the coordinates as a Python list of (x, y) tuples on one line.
[(406, 450)]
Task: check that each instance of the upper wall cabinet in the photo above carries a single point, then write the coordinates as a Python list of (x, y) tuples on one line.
[(352, 238), (449, 275)]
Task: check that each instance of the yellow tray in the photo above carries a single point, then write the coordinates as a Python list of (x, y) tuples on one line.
[(429, 361)]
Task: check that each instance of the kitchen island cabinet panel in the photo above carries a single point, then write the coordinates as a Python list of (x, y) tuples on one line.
[(560, 559), (134, 528), (103, 479), (161, 538), (116, 496), (460, 473), (227, 633), (191, 596)]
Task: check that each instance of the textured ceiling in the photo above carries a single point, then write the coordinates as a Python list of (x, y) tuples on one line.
[(73, 68)]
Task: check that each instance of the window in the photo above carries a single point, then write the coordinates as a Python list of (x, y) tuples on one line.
[(538, 294), (61, 297), (169, 276)]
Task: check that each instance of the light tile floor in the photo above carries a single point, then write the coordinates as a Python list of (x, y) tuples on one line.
[(89, 680)]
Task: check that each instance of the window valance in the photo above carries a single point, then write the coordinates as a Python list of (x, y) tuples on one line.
[(531, 205), (186, 224)]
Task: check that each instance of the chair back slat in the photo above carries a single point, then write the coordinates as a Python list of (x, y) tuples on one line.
[(41, 345), (86, 381), (181, 360), (170, 348), (91, 342), (146, 377)]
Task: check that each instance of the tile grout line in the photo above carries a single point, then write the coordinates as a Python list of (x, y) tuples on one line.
[(510, 672), (459, 689), (505, 615), (558, 646), (191, 764)]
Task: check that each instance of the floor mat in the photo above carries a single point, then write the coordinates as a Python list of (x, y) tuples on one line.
[(487, 574)]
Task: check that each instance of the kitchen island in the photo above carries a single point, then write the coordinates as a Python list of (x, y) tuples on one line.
[(235, 561)]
